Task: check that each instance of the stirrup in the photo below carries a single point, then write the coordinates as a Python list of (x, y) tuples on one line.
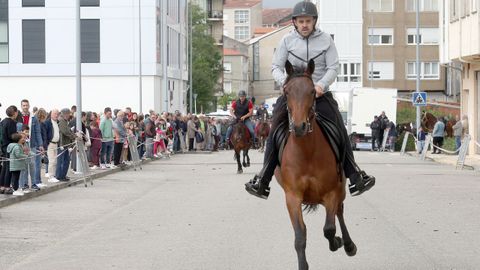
[(365, 183), (256, 188)]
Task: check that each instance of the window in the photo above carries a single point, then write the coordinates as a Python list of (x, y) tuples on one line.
[(33, 39), (349, 72), (227, 67), (89, 3), (241, 16), (3, 31), (428, 71), (227, 87), (428, 36), (342, 73), (381, 70), (454, 10), (355, 72), (241, 32), (380, 5), (90, 38), (380, 36), (425, 5), (33, 3)]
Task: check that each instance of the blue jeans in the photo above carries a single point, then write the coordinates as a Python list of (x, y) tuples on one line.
[(63, 161), (250, 127), (30, 171), (106, 153), (458, 142)]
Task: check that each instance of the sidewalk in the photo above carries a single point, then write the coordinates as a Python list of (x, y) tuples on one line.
[(6, 200), (470, 161)]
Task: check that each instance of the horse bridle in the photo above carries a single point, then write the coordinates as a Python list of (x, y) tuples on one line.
[(291, 125)]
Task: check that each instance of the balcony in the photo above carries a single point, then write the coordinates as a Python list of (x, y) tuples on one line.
[(215, 15)]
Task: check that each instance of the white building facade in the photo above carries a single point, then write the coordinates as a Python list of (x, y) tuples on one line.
[(342, 19), (37, 53)]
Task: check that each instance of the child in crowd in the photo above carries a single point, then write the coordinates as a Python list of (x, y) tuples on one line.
[(159, 142), (29, 162), (421, 140), (17, 160), (96, 144)]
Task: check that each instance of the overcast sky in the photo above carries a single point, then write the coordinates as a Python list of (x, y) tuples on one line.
[(279, 3)]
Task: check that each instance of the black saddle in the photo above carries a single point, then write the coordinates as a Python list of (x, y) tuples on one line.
[(329, 129)]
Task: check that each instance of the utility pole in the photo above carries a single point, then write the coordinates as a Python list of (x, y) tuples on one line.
[(191, 57), (78, 65), (417, 14), (140, 86), (371, 49)]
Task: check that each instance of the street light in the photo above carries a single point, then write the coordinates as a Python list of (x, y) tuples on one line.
[(140, 89), (195, 100)]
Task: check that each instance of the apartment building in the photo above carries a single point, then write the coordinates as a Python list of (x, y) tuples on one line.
[(460, 48), (241, 18), (235, 66), (37, 53), (389, 51)]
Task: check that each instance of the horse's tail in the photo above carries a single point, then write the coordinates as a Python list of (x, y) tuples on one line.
[(310, 208)]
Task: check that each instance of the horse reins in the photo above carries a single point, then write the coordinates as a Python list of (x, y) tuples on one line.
[(291, 126)]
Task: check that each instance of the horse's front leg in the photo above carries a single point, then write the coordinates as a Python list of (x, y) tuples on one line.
[(330, 229), (248, 159), (349, 247), (244, 155), (294, 206), (237, 157)]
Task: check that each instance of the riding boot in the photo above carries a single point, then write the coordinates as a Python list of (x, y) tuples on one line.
[(259, 185), (359, 180)]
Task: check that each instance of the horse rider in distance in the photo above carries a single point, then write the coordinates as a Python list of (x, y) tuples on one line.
[(299, 47), (242, 110)]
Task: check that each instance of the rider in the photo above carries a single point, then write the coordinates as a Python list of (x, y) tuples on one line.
[(262, 113), (241, 110), (299, 46)]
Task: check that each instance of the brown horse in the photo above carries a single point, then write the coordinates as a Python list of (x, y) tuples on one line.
[(309, 173), (449, 127), (261, 131), (240, 140), (428, 121)]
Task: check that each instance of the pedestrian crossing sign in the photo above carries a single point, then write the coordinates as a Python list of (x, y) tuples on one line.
[(419, 99)]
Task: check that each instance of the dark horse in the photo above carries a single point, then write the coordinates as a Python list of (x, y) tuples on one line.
[(309, 172), (428, 121), (262, 130), (240, 140)]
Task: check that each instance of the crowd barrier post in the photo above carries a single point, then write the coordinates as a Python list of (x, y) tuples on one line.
[(132, 144), (428, 142), (84, 167), (404, 143), (463, 152)]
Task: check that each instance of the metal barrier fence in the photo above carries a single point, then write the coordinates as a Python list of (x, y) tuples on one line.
[(84, 167), (384, 141), (463, 153), (133, 147), (404, 143), (428, 142)]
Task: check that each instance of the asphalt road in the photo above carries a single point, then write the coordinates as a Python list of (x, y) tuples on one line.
[(191, 212)]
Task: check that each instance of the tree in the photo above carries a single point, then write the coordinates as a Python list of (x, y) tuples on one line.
[(206, 62), (226, 99)]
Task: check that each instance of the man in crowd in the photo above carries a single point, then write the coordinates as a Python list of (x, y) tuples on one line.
[(438, 133), (375, 127), (53, 138), (67, 140), (106, 128)]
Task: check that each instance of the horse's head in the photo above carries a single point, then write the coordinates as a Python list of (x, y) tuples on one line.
[(300, 93)]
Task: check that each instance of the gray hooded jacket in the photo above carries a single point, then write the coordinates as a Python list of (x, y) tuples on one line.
[(299, 50)]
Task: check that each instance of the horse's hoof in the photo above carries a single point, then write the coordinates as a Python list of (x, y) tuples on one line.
[(239, 171), (248, 164), (351, 249), (337, 243), (244, 165)]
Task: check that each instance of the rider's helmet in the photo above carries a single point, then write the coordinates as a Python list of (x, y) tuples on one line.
[(305, 8), (242, 93)]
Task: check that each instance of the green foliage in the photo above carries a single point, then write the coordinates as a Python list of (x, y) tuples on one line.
[(226, 99), (206, 61)]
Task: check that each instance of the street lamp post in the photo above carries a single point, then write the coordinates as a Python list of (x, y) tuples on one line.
[(195, 100), (78, 71), (140, 89), (417, 15)]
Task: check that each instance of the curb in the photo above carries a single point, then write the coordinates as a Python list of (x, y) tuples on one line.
[(62, 185)]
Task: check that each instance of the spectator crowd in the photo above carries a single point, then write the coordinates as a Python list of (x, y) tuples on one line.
[(35, 142)]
